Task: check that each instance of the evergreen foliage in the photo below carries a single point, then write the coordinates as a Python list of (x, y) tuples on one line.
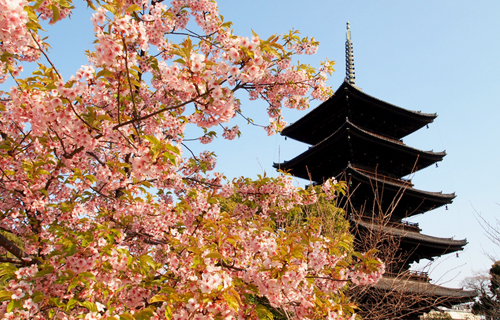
[(488, 304)]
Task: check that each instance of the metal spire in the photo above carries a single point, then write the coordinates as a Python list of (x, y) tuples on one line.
[(349, 59)]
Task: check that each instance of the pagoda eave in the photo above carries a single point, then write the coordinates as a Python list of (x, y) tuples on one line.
[(352, 143), (364, 110), (420, 246), (448, 296), (393, 195)]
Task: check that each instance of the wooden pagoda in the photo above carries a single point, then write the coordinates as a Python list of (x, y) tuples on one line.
[(358, 138)]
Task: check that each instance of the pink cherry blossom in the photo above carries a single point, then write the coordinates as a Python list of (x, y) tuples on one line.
[(117, 215)]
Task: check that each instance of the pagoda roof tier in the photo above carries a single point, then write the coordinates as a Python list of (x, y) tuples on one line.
[(350, 143), (421, 295), (417, 245), (393, 196), (364, 110), (410, 285), (405, 297)]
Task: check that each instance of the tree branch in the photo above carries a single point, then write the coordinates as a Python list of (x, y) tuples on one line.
[(17, 252)]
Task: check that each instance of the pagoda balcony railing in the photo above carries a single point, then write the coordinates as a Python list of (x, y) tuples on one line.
[(404, 225), (420, 276), (413, 225)]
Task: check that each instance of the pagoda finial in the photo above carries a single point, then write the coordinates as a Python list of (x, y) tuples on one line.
[(349, 58)]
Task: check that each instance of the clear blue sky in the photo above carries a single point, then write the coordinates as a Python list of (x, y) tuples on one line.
[(433, 56)]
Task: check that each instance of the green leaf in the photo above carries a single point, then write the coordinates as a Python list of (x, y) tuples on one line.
[(91, 5), (13, 304), (358, 255), (89, 305), (232, 299), (104, 72), (268, 229), (7, 269), (145, 259), (172, 148), (91, 178), (71, 249), (168, 312), (37, 4), (42, 171), (170, 157), (263, 313), (215, 255), (197, 261), (46, 270), (57, 302), (154, 63), (133, 8), (38, 296), (5, 295), (110, 8), (145, 314), (147, 184), (126, 316), (104, 117), (154, 141), (71, 304), (158, 298), (181, 61), (87, 275), (55, 13)]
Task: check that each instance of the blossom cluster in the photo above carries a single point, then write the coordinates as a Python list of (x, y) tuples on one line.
[(104, 213), (15, 39), (230, 134), (328, 189)]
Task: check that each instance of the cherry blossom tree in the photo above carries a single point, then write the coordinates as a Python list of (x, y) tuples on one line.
[(103, 214)]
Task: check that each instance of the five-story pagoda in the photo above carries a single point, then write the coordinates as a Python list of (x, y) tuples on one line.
[(357, 138)]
